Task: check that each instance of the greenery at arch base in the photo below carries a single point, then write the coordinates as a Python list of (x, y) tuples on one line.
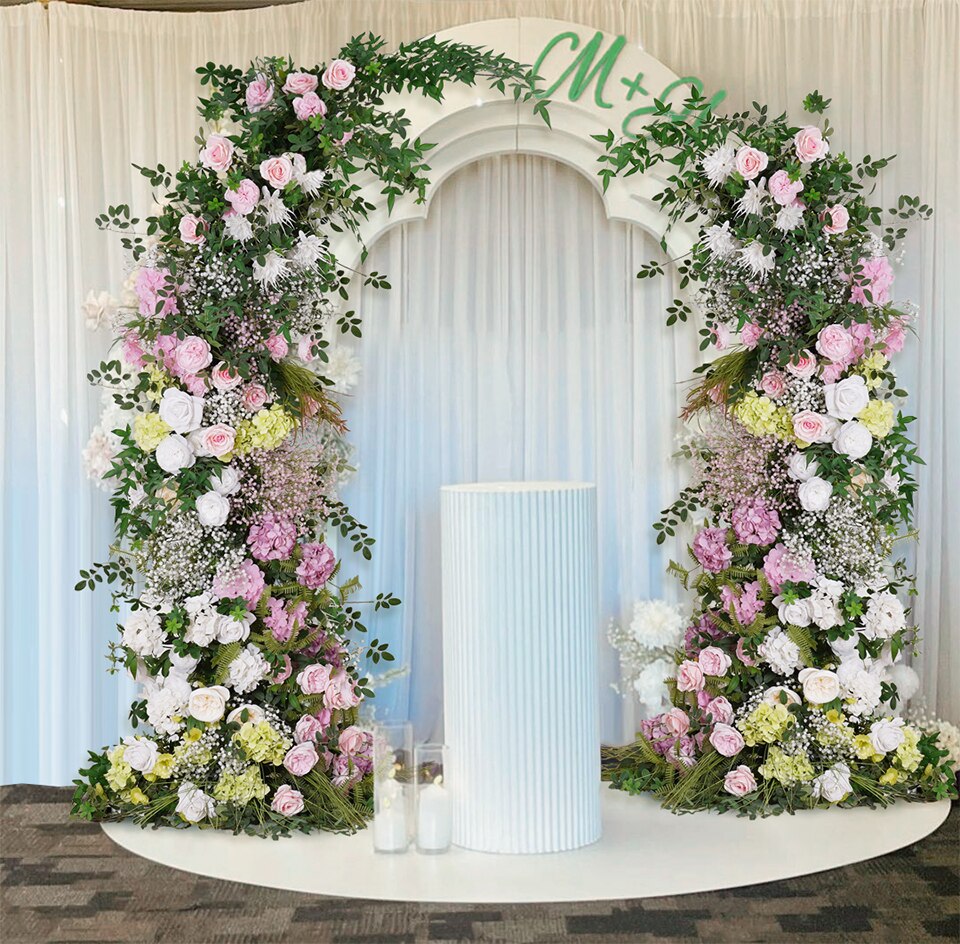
[(222, 445)]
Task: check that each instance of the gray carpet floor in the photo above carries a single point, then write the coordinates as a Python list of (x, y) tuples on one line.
[(66, 881)]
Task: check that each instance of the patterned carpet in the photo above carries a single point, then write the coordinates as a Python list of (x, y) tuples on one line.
[(65, 881)]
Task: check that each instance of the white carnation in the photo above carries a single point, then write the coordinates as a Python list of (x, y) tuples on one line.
[(202, 629), (824, 610)]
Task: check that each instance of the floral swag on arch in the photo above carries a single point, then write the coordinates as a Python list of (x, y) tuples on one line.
[(223, 446)]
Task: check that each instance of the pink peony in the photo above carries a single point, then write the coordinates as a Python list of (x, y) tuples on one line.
[(689, 677), (727, 740), (338, 75), (773, 383), (675, 722), (755, 523), (750, 335), (750, 162), (710, 549), (316, 565), (831, 373), (259, 93), (153, 287), (277, 171), (714, 661), (247, 583), (314, 679), (739, 781), (277, 345), (353, 740), (192, 355), (287, 801), (224, 378), (810, 145), (191, 230), (308, 105), (875, 277), (803, 365), (218, 439), (301, 759), (217, 154), (299, 83), (720, 710), (780, 566), (341, 692), (244, 198), (307, 729), (272, 537), (839, 217), (784, 190), (254, 396), (835, 343)]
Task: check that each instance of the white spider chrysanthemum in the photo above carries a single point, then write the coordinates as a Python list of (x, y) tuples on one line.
[(789, 218), (720, 242), (757, 259), (309, 248), (277, 211), (312, 181), (751, 203), (238, 227), (273, 269), (718, 165)]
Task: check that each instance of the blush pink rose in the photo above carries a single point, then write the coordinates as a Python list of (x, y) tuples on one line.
[(839, 219), (218, 439), (191, 230), (217, 155), (784, 190), (689, 677), (259, 93), (750, 335), (277, 345), (802, 365), (714, 661), (308, 105), (675, 722), (773, 383), (314, 679), (720, 710), (244, 198), (225, 378), (277, 171), (727, 740), (810, 145), (353, 740), (811, 427), (301, 759), (338, 75), (835, 343), (341, 692), (307, 729), (750, 162), (739, 781), (287, 801), (254, 396), (192, 355), (299, 83)]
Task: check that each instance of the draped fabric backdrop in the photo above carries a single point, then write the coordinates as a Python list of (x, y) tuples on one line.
[(535, 355)]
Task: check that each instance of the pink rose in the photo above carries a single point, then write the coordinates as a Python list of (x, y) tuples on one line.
[(810, 145), (831, 373), (784, 190), (307, 729), (675, 722), (277, 171), (750, 162), (314, 679), (773, 383), (802, 365), (750, 335), (835, 343), (810, 427), (224, 378), (218, 153), (192, 355), (287, 801), (277, 345), (714, 661), (341, 692), (259, 93), (353, 740), (218, 440), (739, 781), (839, 219), (301, 759), (720, 710), (191, 230), (338, 75), (299, 83), (308, 105), (254, 396), (689, 677), (727, 740), (244, 198)]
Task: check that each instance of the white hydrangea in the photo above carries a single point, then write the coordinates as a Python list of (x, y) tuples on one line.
[(884, 617), (650, 684), (824, 610), (167, 700), (143, 633), (861, 685), (246, 672), (98, 455), (780, 652)]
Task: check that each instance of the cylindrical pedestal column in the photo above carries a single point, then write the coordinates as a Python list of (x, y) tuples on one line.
[(520, 638)]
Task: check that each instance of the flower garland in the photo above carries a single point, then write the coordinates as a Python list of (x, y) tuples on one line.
[(222, 443), (784, 690)]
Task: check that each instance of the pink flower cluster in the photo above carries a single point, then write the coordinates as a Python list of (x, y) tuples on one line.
[(669, 737), (283, 622), (875, 277), (711, 550), (316, 565), (272, 537), (336, 686), (247, 583), (780, 566), (754, 522), (155, 288), (745, 606)]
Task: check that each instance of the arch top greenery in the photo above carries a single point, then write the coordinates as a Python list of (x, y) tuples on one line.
[(222, 444)]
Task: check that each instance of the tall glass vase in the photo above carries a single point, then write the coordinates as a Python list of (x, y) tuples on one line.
[(434, 809), (393, 787)]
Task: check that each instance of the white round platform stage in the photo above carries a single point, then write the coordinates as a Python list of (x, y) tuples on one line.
[(644, 852)]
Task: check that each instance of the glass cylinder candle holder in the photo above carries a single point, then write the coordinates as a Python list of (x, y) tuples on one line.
[(434, 813), (392, 787)]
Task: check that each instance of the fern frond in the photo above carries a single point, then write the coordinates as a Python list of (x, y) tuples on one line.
[(222, 658)]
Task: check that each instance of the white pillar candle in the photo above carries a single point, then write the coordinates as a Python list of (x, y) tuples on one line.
[(434, 818), (391, 832)]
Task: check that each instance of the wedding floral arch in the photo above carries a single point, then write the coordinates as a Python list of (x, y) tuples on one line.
[(223, 443)]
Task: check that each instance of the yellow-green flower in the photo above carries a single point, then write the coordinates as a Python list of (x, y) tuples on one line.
[(765, 724), (788, 769), (864, 749), (262, 742), (907, 756), (871, 367), (149, 431), (762, 417), (877, 416), (266, 430), (137, 797), (120, 774), (240, 788), (159, 380), (890, 776), (162, 769)]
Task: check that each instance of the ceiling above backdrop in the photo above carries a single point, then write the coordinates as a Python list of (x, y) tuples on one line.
[(179, 6)]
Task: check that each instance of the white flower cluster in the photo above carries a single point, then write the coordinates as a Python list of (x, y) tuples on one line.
[(645, 646)]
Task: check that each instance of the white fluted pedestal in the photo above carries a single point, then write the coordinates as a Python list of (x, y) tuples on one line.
[(520, 637)]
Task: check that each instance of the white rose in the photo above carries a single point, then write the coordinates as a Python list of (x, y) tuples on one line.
[(801, 467), (796, 612), (212, 509), (181, 411), (772, 695), (819, 685), (197, 444), (886, 734), (203, 629), (193, 804), (832, 588), (233, 630), (815, 494), (226, 481), (175, 453), (255, 714), (182, 665), (144, 633), (846, 398), (208, 704), (140, 753), (842, 648), (833, 785), (853, 440)]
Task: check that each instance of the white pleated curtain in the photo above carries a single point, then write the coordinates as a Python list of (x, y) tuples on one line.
[(87, 91)]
